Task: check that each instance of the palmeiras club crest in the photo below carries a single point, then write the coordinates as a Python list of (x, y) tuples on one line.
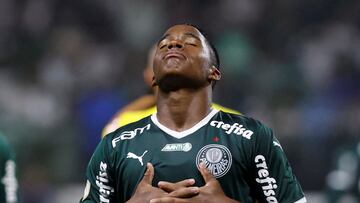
[(217, 159)]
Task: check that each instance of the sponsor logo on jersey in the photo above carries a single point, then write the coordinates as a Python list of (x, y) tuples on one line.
[(235, 128), (102, 181), (134, 156), (10, 182), (268, 184), (177, 147), (217, 159), (127, 135)]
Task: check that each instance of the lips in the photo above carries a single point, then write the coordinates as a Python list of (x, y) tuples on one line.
[(174, 54)]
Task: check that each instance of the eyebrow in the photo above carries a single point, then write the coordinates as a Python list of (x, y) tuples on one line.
[(187, 34)]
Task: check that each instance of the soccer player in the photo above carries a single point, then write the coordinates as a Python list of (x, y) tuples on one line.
[(188, 151), (8, 181), (146, 104)]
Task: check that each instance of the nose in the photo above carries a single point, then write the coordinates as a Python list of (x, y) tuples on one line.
[(175, 44)]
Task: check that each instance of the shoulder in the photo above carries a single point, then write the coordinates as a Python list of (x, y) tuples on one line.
[(244, 120), (248, 127), (128, 131), (126, 117)]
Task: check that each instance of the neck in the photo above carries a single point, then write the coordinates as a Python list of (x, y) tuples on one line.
[(182, 109)]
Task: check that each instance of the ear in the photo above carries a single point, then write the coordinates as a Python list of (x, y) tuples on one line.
[(148, 76), (153, 82), (215, 74)]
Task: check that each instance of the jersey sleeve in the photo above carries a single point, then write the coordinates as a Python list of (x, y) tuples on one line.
[(274, 180), (100, 182), (8, 180)]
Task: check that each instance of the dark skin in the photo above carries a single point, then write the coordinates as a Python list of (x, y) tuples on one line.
[(183, 72)]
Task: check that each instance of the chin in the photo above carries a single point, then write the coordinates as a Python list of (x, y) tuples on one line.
[(174, 82), (174, 63)]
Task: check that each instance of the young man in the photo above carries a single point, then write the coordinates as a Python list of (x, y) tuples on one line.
[(8, 181), (145, 105), (188, 151)]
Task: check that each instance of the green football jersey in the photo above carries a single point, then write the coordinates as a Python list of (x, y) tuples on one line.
[(240, 152), (8, 181)]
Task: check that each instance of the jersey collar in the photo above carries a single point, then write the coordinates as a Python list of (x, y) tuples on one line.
[(187, 132)]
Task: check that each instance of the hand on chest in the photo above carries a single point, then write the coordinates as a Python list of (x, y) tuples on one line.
[(175, 161)]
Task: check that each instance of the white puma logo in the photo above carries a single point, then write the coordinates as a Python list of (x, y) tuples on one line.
[(134, 156)]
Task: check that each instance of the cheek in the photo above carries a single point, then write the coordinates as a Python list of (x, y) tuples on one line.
[(156, 65), (202, 63), (199, 70)]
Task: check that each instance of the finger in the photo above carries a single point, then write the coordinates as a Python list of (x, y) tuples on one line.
[(186, 182), (169, 187), (205, 172), (149, 174), (168, 200), (185, 192)]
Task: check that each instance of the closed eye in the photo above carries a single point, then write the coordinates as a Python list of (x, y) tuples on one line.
[(162, 46), (191, 44)]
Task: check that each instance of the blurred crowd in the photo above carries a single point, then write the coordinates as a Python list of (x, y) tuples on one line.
[(67, 66)]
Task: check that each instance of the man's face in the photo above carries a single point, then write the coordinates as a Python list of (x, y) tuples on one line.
[(182, 58)]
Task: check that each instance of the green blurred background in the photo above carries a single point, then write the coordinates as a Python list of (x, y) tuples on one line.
[(67, 66)]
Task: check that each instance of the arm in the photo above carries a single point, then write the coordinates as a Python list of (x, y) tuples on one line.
[(274, 180), (100, 182)]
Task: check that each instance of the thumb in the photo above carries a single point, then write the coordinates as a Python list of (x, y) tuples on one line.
[(149, 174)]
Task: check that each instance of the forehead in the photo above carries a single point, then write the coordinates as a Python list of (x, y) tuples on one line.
[(183, 30)]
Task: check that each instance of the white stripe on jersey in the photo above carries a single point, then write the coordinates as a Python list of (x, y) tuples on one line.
[(302, 200), (187, 132)]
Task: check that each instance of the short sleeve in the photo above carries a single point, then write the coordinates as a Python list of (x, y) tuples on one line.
[(274, 180), (100, 182)]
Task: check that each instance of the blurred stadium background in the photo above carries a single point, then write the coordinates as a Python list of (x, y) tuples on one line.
[(67, 66)]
